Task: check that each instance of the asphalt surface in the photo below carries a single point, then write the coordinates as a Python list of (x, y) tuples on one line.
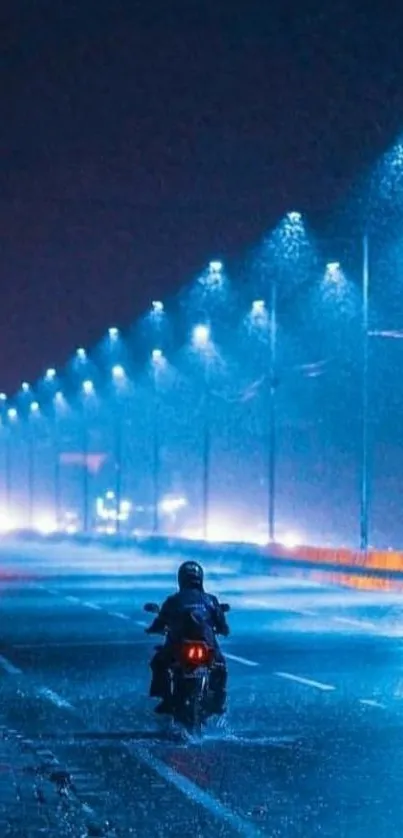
[(313, 741)]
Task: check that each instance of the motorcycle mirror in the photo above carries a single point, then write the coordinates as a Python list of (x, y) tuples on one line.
[(152, 608), (225, 607)]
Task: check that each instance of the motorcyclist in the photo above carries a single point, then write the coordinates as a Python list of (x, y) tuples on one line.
[(190, 614)]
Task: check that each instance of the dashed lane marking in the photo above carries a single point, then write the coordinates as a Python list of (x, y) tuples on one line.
[(141, 623), (306, 681), (118, 614), (55, 698), (238, 659), (9, 667), (93, 605), (370, 702), (74, 599), (194, 792)]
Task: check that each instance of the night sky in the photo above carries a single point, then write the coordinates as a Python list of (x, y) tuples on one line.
[(141, 140)]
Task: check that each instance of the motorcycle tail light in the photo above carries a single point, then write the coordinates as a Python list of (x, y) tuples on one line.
[(196, 653)]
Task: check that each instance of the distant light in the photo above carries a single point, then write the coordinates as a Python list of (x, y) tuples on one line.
[(45, 524), (50, 374), (3, 397), (25, 387), (81, 353), (215, 267), (113, 332), (169, 505), (34, 407), (157, 307), (294, 217), (201, 335), (157, 355), (290, 540), (110, 495), (118, 372), (333, 272), (88, 387), (258, 307), (12, 413), (59, 398)]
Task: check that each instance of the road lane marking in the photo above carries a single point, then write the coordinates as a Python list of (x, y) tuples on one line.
[(74, 599), (80, 644), (118, 614), (238, 659), (141, 623), (93, 605), (9, 667), (194, 792), (370, 702), (55, 698), (307, 681), (351, 621)]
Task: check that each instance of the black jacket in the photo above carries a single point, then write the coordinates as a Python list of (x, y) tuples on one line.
[(192, 615)]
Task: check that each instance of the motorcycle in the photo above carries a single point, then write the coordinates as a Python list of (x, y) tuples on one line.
[(190, 675)]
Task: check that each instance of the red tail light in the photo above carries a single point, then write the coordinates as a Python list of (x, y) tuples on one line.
[(196, 653)]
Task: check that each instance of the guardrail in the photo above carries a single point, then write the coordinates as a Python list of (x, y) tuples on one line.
[(374, 570)]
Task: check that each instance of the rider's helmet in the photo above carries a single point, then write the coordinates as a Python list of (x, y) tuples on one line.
[(190, 575)]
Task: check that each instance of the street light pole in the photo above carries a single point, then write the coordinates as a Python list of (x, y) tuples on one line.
[(31, 474), (118, 465), (206, 451), (272, 440), (85, 471), (364, 396), (156, 455), (8, 465)]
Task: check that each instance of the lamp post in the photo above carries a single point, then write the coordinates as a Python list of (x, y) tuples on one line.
[(364, 505), (272, 453), (158, 361), (119, 378), (202, 341)]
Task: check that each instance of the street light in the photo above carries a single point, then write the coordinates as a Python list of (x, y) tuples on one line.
[(34, 411), (158, 363), (201, 338), (12, 416), (119, 378), (88, 390)]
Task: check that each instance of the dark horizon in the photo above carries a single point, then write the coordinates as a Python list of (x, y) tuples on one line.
[(138, 145)]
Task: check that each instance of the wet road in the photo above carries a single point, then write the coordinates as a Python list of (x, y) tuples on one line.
[(313, 741)]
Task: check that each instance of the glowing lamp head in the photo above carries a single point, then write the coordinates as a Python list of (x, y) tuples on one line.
[(12, 413), (333, 271), (215, 267), (201, 335), (118, 372), (81, 354), (294, 217), (59, 398), (156, 356), (113, 333), (258, 307), (88, 387), (34, 407), (3, 397), (157, 307), (50, 374), (25, 387)]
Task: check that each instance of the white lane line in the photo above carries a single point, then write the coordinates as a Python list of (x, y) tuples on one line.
[(52, 591), (141, 623), (73, 598), (351, 621), (9, 667), (370, 702), (119, 614), (80, 644), (194, 792), (245, 661), (307, 681), (93, 605), (55, 698), (304, 611)]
